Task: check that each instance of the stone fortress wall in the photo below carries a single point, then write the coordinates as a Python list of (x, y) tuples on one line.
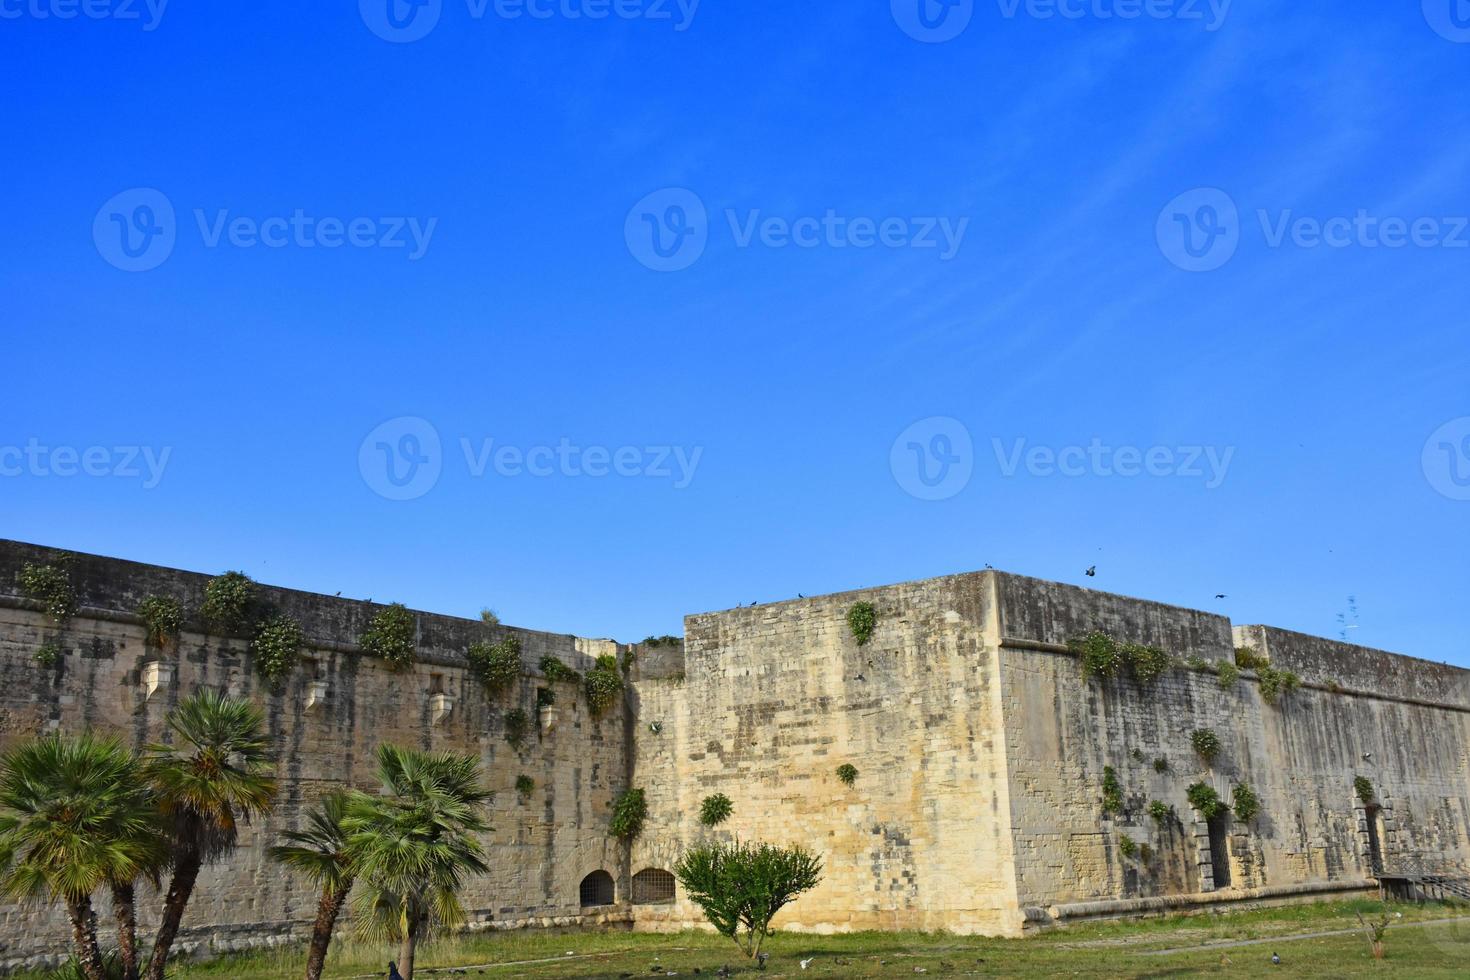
[(980, 750)]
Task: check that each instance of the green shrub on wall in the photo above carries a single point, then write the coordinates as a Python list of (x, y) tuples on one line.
[(525, 786), (1245, 803), (1127, 845), (1144, 662), (1227, 673), (48, 653), (517, 723), (276, 647), (1364, 788), (163, 619), (1112, 798), (862, 620), (715, 810), (1161, 812), (1161, 764), (1277, 683), (1206, 744), (1248, 658), (390, 635), (51, 586), (604, 685), (228, 599), (630, 810), (1203, 798), (497, 665), (1099, 654), (847, 774), (557, 672)]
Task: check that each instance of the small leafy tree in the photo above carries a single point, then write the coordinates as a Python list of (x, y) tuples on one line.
[(1245, 803), (1206, 744), (390, 635), (163, 619), (50, 585), (629, 812), (1099, 653), (1375, 932), (862, 620), (228, 602), (277, 647), (715, 810), (847, 774), (1363, 786), (319, 853), (604, 685), (497, 665), (741, 887)]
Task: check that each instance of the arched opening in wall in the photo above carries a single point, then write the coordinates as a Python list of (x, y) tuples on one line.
[(653, 887), (1374, 813), (1220, 850), (597, 889)]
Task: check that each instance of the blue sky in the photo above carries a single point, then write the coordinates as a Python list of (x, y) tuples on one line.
[(1059, 328)]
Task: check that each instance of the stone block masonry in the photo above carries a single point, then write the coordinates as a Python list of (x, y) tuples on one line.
[(979, 744)]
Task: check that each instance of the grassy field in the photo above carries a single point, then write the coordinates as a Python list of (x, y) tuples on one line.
[(1419, 945)]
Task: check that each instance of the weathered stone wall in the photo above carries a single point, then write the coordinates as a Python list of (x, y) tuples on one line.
[(775, 698), (539, 851)]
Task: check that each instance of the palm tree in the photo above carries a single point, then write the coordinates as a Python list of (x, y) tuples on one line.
[(75, 814), (320, 853), (216, 775), (415, 845)]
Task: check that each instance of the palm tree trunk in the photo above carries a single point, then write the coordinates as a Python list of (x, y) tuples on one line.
[(124, 909), (321, 933), (84, 937), (407, 948), (180, 887)]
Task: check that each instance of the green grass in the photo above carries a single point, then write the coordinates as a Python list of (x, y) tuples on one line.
[(1416, 948)]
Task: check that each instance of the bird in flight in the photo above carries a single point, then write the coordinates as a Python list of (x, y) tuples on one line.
[(1222, 596), (1092, 572)]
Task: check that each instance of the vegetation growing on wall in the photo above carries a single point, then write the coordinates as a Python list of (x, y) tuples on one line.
[(847, 774), (1227, 673), (497, 665), (1248, 658), (1277, 683), (1245, 803), (163, 618), (1099, 654), (1144, 662), (1161, 764), (51, 586), (390, 635), (276, 647), (558, 672), (1161, 812), (228, 599), (1112, 798), (604, 685), (862, 620), (489, 617), (1127, 845), (1206, 744), (663, 641), (48, 653), (1363, 786), (630, 810), (1203, 798), (715, 810), (517, 723), (525, 786)]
